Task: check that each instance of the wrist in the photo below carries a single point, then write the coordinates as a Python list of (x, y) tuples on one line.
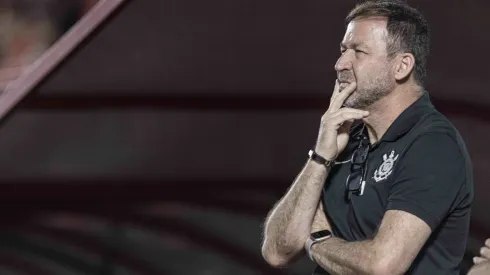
[(319, 159), (324, 150), (324, 153), (315, 238)]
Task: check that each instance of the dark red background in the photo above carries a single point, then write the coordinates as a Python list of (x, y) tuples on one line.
[(160, 144)]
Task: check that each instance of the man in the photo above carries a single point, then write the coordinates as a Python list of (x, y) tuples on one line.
[(388, 186), (482, 263)]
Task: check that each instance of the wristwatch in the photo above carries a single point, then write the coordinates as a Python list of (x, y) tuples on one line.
[(314, 238), (319, 159)]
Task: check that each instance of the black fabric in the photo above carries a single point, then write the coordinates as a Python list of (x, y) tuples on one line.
[(420, 166)]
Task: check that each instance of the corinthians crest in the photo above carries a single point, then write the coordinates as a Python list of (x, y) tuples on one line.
[(386, 167)]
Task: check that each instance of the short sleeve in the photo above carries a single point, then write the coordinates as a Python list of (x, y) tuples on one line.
[(429, 178)]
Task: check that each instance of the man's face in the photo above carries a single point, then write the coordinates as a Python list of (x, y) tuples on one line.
[(364, 60)]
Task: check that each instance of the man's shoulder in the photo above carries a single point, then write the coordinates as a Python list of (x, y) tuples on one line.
[(435, 142), (432, 126)]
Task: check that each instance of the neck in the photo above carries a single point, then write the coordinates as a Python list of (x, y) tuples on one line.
[(384, 112)]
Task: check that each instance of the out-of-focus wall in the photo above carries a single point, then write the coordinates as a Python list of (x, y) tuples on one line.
[(160, 144)]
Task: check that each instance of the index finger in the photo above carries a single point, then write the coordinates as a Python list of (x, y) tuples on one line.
[(336, 91), (341, 96)]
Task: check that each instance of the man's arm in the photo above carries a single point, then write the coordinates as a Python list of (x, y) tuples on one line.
[(320, 220), (399, 239), (288, 225)]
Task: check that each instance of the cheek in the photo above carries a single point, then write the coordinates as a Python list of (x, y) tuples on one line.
[(371, 71), (362, 73)]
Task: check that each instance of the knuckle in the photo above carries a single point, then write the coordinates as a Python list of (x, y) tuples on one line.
[(325, 121), (325, 117)]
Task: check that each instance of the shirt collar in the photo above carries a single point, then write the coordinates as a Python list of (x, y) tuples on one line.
[(404, 122)]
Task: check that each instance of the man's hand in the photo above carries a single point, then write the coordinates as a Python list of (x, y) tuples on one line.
[(484, 254), (482, 263), (336, 122), (480, 269)]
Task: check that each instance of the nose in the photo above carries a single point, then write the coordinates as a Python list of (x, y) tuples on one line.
[(344, 62)]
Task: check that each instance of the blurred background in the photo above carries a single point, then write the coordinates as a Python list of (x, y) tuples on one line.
[(161, 141)]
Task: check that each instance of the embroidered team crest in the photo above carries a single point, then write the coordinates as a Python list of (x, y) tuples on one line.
[(386, 167)]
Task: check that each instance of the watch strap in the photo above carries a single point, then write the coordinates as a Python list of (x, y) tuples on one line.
[(311, 241), (319, 159), (309, 244)]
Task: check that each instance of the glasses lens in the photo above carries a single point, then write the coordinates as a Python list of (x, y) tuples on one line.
[(360, 155), (359, 158), (354, 180)]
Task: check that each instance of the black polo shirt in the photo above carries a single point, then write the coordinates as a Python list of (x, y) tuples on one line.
[(420, 166)]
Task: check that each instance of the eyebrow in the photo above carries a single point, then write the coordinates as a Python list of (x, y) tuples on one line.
[(353, 45)]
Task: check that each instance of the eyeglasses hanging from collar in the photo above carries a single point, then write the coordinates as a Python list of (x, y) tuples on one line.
[(356, 180)]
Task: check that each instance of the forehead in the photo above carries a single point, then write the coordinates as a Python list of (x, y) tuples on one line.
[(369, 31)]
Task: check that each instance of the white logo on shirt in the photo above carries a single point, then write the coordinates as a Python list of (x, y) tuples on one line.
[(385, 169)]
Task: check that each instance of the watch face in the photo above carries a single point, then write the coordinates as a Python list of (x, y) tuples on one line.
[(321, 234)]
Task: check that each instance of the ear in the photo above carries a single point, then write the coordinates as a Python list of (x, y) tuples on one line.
[(404, 66)]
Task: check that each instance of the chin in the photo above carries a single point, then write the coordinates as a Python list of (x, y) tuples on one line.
[(357, 104), (352, 101)]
